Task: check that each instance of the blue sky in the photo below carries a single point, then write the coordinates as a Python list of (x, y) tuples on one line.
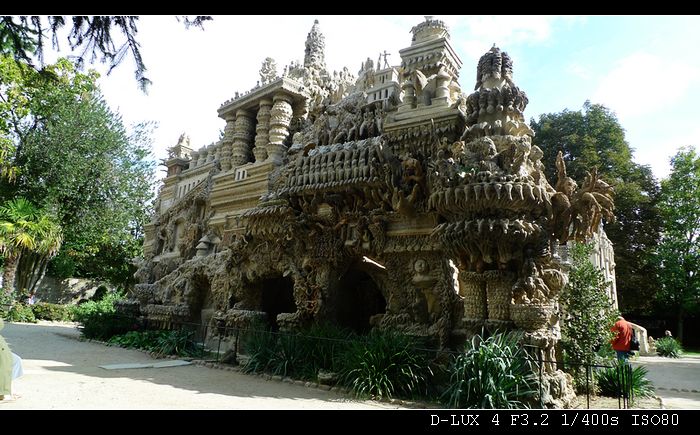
[(645, 68)]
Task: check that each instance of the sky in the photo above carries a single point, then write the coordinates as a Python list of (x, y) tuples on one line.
[(644, 68)]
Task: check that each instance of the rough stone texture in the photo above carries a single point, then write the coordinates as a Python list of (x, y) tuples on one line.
[(362, 209)]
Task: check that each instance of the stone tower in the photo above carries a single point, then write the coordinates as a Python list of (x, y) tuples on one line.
[(315, 46)]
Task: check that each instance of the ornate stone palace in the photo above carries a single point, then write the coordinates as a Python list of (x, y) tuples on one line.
[(387, 200)]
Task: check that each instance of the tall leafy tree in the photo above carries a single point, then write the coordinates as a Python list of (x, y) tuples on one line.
[(588, 311), (678, 254), (25, 230), (70, 153), (24, 37), (593, 137)]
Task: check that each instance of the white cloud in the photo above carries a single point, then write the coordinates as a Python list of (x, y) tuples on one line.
[(642, 83), (658, 155), (505, 31)]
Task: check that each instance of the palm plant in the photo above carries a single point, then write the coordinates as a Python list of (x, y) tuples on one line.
[(24, 228)]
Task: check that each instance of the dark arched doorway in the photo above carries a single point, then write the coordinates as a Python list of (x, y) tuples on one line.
[(357, 298), (277, 297)]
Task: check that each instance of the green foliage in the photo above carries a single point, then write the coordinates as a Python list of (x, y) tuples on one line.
[(103, 326), (53, 312), (678, 254), (259, 344), (180, 342), (669, 347), (71, 154), (23, 37), (492, 373), (386, 364), (146, 340), (25, 230), (589, 312), (20, 312), (99, 319), (299, 355), (591, 138), (612, 381)]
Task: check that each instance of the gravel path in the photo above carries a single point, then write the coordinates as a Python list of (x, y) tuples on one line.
[(61, 372), (676, 380)]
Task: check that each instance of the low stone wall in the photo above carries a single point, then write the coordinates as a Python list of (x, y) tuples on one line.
[(68, 291)]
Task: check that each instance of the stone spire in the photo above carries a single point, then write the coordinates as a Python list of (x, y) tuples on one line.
[(496, 102), (494, 66), (315, 45)]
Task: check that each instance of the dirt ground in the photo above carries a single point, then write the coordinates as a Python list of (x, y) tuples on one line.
[(61, 372)]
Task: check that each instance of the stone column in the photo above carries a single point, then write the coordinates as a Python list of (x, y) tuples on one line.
[(472, 286), (262, 136), (202, 156), (499, 294), (242, 137), (409, 96), (280, 117), (195, 159), (211, 152), (227, 142)]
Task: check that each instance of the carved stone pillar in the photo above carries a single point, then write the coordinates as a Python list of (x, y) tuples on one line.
[(195, 159), (499, 294), (202, 156), (280, 117), (242, 138), (472, 286), (227, 143), (217, 150), (409, 96), (211, 153), (262, 136)]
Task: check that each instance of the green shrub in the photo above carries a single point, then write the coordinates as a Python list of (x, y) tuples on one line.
[(259, 344), (103, 326), (147, 340), (177, 343), (53, 312), (385, 364), (612, 380), (492, 373), (20, 313), (99, 319), (668, 347), (299, 355)]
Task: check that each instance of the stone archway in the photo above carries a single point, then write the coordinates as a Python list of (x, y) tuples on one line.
[(356, 298), (277, 296)]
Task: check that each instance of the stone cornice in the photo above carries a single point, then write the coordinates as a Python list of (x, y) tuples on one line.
[(252, 99)]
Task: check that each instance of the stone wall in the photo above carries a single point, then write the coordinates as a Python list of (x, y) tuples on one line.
[(68, 291)]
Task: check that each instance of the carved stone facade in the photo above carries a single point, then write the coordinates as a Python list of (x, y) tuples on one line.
[(327, 201)]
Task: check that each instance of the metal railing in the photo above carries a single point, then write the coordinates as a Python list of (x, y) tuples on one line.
[(200, 335)]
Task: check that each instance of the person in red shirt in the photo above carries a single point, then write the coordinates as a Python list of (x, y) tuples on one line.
[(623, 336)]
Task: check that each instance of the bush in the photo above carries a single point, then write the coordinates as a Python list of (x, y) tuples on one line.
[(492, 373), (20, 313), (299, 355), (147, 340), (611, 381), (177, 343), (385, 364), (668, 347), (53, 312), (103, 326), (100, 320), (259, 344)]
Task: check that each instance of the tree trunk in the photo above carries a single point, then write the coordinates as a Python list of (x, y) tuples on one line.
[(681, 316), (8, 275)]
